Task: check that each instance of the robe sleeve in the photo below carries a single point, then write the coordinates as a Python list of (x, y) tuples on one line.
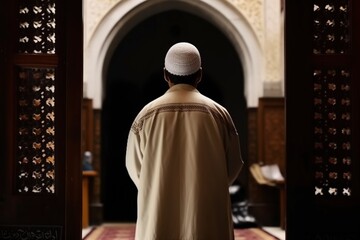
[(233, 157), (133, 158)]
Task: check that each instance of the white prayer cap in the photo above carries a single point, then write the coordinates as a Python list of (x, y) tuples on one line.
[(182, 59)]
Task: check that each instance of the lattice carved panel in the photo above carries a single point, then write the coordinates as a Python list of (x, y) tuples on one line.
[(332, 159), (332, 132), (36, 130), (331, 27), (37, 26)]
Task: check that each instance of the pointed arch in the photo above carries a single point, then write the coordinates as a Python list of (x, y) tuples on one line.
[(126, 14)]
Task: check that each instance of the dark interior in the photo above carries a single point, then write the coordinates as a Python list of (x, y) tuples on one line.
[(135, 76)]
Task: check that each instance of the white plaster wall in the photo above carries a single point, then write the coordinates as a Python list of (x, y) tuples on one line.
[(253, 26)]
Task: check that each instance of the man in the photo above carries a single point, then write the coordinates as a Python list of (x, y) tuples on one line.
[(183, 153)]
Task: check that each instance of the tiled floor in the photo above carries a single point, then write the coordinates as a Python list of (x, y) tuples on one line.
[(276, 231)]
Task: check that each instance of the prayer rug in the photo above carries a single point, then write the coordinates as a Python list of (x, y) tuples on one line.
[(126, 231)]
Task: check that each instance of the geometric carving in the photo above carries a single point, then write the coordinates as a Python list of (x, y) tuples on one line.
[(331, 27), (37, 27), (30, 232), (35, 167), (271, 131), (274, 145), (332, 132)]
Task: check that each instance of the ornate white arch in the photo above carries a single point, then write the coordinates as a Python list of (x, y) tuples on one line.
[(128, 13)]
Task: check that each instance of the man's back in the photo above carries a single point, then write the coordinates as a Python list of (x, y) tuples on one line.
[(182, 154)]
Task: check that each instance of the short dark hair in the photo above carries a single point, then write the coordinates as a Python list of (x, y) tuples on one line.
[(188, 79)]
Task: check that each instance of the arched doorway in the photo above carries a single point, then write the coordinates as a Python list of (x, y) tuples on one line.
[(124, 16), (134, 77)]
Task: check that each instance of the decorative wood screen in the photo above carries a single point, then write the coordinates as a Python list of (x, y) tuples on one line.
[(322, 119), (41, 97), (332, 99), (36, 130)]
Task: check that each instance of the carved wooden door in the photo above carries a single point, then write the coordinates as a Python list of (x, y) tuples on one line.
[(40, 94), (322, 119)]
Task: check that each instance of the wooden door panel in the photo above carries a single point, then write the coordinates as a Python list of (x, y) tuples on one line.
[(322, 118), (41, 94)]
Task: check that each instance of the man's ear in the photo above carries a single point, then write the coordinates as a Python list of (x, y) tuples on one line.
[(199, 76), (166, 77)]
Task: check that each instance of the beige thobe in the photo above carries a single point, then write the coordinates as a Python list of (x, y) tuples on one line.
[(183, 153)]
